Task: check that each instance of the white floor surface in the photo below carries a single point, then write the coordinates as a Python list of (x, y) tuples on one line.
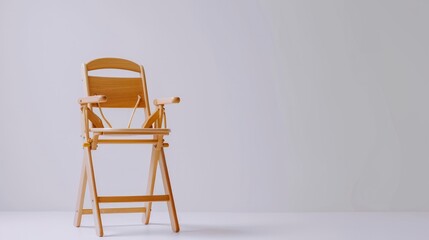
[(285, 226)]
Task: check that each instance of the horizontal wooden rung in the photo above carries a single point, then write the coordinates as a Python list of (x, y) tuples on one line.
[(126, 131), (130, 141), (127, 141), (116, 210), (115, 199)]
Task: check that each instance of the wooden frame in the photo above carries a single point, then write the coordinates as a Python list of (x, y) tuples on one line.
[(104, 92)]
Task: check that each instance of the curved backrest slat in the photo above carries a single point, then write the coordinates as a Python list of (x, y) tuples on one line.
[(112, 63)]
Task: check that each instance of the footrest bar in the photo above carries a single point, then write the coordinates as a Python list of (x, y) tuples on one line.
[(116, 210), (115, 199)]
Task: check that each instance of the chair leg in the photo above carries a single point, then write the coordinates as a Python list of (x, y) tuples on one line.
[(80, 196), (151, 183), (93, 191), (167, 188)]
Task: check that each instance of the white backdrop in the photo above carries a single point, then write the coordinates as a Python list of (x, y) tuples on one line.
[(286, 105)]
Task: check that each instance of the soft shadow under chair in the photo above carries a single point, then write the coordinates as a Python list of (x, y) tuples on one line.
[(122, 92)]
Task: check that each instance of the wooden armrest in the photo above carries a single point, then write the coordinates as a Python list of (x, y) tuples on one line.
[(163, 101), (93, 99)]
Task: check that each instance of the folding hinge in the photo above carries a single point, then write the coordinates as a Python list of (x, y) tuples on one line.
[(87, 143), (159, 144)]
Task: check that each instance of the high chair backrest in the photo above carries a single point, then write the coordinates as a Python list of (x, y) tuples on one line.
[(121, 92)]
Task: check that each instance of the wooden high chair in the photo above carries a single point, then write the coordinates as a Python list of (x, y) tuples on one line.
[(122, 92)]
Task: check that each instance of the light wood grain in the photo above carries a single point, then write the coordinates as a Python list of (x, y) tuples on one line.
[(118, 199), (151, 120), (120, 92), (140, 131), (93, 99), (112, 63), (95, 120), (145, 94), (127, 141), (93, 192), (80, 196), (151, 182), (167, 188), (169, 100), (116, 210)]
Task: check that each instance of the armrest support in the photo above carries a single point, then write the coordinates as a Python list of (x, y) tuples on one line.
[(163, 101), (93, 99), (158, 117)]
